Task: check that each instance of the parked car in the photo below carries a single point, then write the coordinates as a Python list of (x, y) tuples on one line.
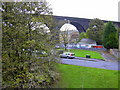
[(57, 47), (67, 55)]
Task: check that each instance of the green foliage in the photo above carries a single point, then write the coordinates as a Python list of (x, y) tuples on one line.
[(22, 36), (83, 35), (95, 30), (118, 30), (110, 36)]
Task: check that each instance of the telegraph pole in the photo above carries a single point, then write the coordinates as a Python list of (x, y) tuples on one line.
[(119, 41)]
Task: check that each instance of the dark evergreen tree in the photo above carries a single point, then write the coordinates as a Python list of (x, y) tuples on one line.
[(82, 35), (110, 36), (95, 30)]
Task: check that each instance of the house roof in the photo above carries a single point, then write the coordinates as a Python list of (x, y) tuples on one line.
[(87, 41)]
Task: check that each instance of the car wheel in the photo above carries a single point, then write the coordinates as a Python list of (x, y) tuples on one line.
[(67, 57)]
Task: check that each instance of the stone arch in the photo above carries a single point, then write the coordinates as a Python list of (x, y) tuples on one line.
[(79, 27), (80, 23), (60, 23), (68, 30)]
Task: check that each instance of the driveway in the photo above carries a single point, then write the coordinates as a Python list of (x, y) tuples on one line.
[(91, 63)]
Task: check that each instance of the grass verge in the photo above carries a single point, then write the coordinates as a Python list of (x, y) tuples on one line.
[(86, 77), (83, 53)]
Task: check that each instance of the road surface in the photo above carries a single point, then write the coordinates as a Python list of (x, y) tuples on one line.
[(95, 63)]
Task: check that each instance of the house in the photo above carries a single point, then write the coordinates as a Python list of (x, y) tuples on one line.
[(86, 43)]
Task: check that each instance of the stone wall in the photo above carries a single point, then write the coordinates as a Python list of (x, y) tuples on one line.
[(115, 52)]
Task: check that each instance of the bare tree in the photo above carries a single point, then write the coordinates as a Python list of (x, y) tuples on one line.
[(64, 38), (67, 36)]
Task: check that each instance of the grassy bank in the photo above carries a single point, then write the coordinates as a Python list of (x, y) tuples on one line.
[(83, 53), (86, 77)]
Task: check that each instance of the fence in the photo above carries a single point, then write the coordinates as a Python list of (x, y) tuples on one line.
[(115, 52), (93, 49)]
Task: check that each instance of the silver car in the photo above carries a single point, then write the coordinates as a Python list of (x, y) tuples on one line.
[(67, 55)]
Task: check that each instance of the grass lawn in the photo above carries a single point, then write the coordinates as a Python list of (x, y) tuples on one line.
[(83, 53), (86, 77)]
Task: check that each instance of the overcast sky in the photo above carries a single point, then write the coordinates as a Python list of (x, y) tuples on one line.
[(102, 9)]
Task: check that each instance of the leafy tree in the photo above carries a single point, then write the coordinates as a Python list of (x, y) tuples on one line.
[(110, 36), (95, 30), (83, 35), (22, 39)]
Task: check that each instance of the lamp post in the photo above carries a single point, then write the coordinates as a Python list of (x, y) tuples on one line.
[(119, 41)]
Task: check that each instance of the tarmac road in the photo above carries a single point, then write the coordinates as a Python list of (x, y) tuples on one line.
[(95, 63)]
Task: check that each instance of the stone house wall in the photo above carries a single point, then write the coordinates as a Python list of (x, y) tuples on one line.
[(115, 52)]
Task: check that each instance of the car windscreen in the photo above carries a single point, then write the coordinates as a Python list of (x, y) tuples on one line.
[(72, 54)]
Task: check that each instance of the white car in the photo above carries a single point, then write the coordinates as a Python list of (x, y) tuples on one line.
[(67, 55)]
